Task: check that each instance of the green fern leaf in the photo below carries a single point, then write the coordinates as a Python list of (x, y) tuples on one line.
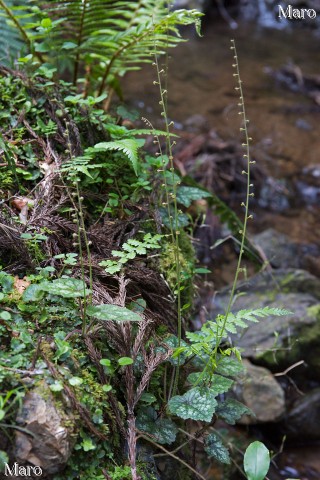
[(128, 146)]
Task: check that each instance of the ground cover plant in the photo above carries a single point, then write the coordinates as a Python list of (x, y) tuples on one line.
[(97, 263)]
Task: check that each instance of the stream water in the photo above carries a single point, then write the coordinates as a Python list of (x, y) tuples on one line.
[(284, 125)]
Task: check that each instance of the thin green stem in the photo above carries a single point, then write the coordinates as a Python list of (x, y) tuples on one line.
[(174, 227), (244, 129)]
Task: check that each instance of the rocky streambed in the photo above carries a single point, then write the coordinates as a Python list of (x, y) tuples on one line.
[(281, 83)]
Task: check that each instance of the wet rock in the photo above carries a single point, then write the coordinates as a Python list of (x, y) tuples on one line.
[(303, 420), (258, 390), (279, 342), (308, 185), (279, 250), (50, 444), (282, 252), (274, 194)]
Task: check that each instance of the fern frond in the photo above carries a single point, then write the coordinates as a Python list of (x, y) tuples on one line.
[(105, 38), (129, 146), (112, 37), (236, 321), (11, 40)]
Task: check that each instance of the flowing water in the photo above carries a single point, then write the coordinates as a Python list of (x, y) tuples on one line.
[(285, 127)]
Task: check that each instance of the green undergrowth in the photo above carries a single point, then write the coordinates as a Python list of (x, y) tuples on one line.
[(98, 269)]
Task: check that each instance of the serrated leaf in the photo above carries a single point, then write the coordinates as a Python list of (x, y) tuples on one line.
[(186, 195), (229, 366), (163, 430), (180, 222), (220, 384), (231, 410), (128, 146), (106, 312), (172, 342), (147, 398), (256, 461), (196, 404), (215, 449)]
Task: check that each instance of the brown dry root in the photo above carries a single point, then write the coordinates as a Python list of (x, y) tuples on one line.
[(12, 247)]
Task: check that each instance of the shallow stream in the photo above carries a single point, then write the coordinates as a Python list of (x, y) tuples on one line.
[(284, 125)]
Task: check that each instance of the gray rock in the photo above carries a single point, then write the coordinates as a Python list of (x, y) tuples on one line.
[(279, 342), (303, 420), (51, 443), (282, 252), (258, 390), (275, 195)]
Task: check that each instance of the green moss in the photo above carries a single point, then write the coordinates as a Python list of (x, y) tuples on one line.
[(6, 179), (314, 311)]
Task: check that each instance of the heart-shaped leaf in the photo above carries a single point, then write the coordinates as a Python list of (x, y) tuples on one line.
[(197, 404)]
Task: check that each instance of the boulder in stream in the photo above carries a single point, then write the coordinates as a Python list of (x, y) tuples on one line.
[(303, 419), (258, 390), (279, 342)]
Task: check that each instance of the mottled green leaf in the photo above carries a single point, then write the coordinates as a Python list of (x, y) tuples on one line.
[(66, 287), (229, 366), (75, 381), (215, 448), (231, 410), (5, 315), (6, 282), (196, 404), (115, 313), (56, 386), (163, 430), (33, 293)]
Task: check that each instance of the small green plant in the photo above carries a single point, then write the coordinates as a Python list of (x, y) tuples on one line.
[(130, 250), (208, 353), (256, 461)]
